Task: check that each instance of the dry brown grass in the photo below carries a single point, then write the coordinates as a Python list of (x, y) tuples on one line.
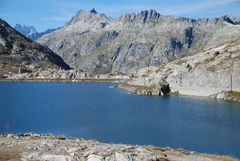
[(235, 95), (155, 148), (173, 93), (223, 64), (231, 43), (211, 69), (219, 157), (138, 87), (61, 137), (181, 61), (160, 68), (182, 153), (147, 88), (166, 150), (208, 60), (10, 154)]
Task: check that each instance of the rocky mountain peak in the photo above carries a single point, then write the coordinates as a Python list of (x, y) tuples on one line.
[(30, 32), (25, 30), (234, 20), (87, 17), (93, 11), (142, 17), (231, 19)]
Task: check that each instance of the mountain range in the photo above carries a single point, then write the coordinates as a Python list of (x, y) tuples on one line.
[(98, 44), (31, 32)]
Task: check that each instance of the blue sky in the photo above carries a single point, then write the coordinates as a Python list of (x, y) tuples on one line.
[(44, 14)]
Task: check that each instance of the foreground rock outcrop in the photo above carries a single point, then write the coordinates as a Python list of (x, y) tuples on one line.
[(213, 72), (98, 44), (35, 147), (19, 55)]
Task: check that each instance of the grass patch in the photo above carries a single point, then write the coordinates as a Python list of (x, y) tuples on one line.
[(138, 87), (181, 61), (219, 157), (211, 69), (207, 61), (146, 88), (182, 153), (156, 148), (61, 137), (9, 154), (234, 94), (165, 151), (173, 94)]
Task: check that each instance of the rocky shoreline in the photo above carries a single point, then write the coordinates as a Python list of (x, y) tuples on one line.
[(231, 96), (46, 147), (122, 84), (115, 80)]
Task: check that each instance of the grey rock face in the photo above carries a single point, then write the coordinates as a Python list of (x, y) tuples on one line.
[(142, 17), (207, 73), (95, 43), (18, 52)]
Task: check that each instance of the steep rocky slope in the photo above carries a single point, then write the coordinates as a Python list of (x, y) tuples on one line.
[(96, 43), (207, 73), (19, 54)]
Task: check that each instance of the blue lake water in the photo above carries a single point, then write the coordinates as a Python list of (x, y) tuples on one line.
[(96, 111)]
